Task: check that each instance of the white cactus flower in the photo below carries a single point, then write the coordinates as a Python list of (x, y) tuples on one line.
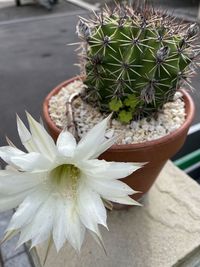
[(59, 188)]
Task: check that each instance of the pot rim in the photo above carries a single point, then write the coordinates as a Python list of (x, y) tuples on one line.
[(117, 148)]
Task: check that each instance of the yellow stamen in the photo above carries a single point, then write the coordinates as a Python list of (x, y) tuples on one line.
[(65, 178)]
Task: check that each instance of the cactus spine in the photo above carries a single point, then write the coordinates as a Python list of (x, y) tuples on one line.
[(135, 61)]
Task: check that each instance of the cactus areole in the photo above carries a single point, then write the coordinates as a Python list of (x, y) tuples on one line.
[(134, 61)]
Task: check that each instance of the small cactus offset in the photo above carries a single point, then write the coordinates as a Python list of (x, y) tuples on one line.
[(135, 61)]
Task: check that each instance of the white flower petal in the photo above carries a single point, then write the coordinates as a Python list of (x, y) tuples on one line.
[(8, 235), (113, 188), (66, 144), (41, 138), (88, 145), (16, 182), (25, 136), (108, 170), (6, 152), (91, 208), (123, 200), (60, 224), (9, 142), (60, 187), (41, 226), (11, 169), (6, 172), (12, 201), (28, 209), (76, 234), (76, 231), (32, 162), (104, 146)]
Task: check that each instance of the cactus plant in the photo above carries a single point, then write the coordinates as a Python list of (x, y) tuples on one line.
[(134, 60)]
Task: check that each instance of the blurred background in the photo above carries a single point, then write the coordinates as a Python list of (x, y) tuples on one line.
[(34, 58)]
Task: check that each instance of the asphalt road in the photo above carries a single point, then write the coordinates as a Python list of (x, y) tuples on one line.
[(34, 57), (8, 10)]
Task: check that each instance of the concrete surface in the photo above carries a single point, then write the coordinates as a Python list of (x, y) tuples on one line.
[(159, 234)]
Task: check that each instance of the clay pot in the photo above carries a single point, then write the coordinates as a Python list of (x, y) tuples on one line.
[(155, 152)]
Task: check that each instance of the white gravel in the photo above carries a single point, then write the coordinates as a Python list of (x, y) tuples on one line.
[(169, 119)]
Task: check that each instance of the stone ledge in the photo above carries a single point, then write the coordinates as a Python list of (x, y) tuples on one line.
[(160, 234)]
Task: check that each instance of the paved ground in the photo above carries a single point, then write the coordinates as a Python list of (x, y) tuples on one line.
[(10, 12), (182, 8), (33, 59), (9, 256)]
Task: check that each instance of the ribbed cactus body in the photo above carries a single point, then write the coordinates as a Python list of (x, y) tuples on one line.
[(134, 63)]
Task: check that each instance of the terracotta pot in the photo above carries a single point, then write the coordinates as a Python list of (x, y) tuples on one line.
[(155, 152)]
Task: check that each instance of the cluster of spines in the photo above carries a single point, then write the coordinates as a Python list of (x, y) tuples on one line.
[(135, 61)]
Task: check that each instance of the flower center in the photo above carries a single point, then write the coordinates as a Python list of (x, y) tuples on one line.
[(65, 178)]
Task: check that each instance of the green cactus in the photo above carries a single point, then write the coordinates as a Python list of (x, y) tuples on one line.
[(134, 61)]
